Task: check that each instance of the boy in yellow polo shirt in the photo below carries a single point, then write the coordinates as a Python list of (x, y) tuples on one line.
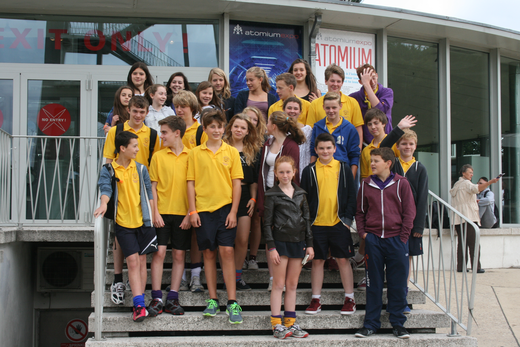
[(334, 77), (285, 85), (331, 195), (148, 142), (376, 121), (214, 189), (132, 213), (187, 106), (168, 175)]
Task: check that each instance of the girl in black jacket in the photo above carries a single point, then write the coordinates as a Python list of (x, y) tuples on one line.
[(287, 231)]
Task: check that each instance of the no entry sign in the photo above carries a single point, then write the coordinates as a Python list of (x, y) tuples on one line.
[(53, 120)]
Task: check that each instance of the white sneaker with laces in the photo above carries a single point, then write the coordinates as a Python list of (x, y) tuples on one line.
[(117, 293), (252, 264)]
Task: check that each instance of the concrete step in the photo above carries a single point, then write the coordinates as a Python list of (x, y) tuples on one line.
[(121, 322), (336, 340), (261, 297), (260, 257), (250, 276)]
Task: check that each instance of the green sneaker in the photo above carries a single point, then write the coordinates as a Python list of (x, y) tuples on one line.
[(212, 309), (233, 311)]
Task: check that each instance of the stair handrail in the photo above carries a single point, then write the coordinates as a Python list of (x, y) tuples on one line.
[(102, 228), (446, 291)]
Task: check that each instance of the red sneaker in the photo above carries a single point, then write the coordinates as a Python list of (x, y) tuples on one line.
[(140, 313), (349, 307), (314, 307), (332, 264)]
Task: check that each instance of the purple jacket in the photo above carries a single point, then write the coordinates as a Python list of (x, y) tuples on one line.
[(385, 212), (386, 101)]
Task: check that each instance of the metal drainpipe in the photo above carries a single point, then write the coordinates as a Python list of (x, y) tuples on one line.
[(312, 40)]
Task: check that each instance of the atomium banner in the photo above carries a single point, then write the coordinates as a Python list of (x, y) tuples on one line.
[(272, 47)]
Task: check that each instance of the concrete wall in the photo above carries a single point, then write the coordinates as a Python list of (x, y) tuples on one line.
[(16, 293), (499, 247)]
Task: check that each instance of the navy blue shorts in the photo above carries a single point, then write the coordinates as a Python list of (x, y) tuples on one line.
[(212, 231), (171, 231), (290, 249), (415, 245), (337, 238), (142, 240)]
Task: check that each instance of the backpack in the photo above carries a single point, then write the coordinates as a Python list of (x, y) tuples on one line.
[(489, 217), (111, 210), (153, 138), (198, 135)]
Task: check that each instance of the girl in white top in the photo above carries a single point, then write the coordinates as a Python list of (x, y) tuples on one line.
[(156, 95), (293, 107)]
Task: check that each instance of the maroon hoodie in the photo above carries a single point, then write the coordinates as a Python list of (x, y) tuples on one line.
[(386, 212)]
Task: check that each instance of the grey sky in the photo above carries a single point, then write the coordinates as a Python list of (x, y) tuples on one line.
[(500, 13)]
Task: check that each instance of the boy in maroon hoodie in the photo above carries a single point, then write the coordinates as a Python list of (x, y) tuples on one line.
[(384, 218)]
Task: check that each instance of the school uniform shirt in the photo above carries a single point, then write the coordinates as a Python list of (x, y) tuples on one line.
[(190, 136), (364, 165), (349, 110), (143, 134), (153, 117), (129, 213), (327, 175), (213, 174), (278, 106), (169, 171)]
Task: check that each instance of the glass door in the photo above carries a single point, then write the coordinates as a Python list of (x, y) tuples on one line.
[(55, 153)]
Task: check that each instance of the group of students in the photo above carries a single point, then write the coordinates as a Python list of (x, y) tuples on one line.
[(225, 170)]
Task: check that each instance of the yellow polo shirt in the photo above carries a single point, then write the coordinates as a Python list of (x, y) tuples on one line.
[(331, 127), (213, 174), (328, 176), (364, 161), (169, 171), (190, 136), (143, 135), (406, 164), (129, 213), (278, 106), (349, 110)]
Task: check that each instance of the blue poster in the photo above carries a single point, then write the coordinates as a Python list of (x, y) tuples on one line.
[(273, 47)]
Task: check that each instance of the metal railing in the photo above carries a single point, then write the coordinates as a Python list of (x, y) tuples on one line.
[(47, 180), (101, 240), (435, 272)]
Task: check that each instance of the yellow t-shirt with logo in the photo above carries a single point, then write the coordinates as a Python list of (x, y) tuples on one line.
[(331, 127), (143, 134), (129, 213), (213, 174), (327, 176), (406, 164), (364, 161), (190, 136), (169, 171), (278, 106), (349, 110)]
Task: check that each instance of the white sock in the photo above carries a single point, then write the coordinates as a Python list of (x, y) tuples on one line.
[(351, 295), (316, 296), (195, 272), (270, 278), (358, 257), (184, 275)]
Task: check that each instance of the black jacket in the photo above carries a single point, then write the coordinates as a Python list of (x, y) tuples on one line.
[(243, 96), (346, 192), (286, 219), (418, 178)]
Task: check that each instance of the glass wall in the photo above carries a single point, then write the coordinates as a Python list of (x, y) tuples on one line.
[(413, 75), (469, 112), (6, 105), (510, 102), (97, 42)]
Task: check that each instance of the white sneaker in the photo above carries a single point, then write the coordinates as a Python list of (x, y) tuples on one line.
[(196, 286), (185, 286), (252, 264), (117, 293), (270, 287)]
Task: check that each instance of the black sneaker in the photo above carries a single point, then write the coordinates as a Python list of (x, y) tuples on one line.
[(242, 285), (155, 308), (364, 332), (401, 332), (173, 307)]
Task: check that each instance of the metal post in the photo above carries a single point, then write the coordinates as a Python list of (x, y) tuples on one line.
[(100, 254)]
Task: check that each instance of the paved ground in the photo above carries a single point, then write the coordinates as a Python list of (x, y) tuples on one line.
[(497, 308)]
